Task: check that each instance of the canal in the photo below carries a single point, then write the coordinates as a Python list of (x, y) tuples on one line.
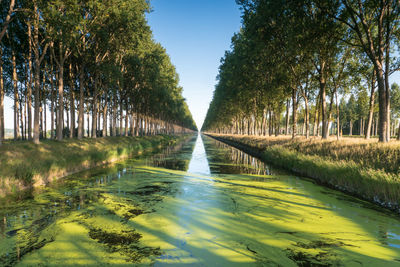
[(200, 203)]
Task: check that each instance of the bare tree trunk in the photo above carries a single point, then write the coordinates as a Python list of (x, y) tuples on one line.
[(88, 121), (36, 132), (351, 128), (94, 107), (21, 118), (105, 114), (120, 117), (383, 118), (371, 107), (294, 115), (307, 118), (131, 132), (386, 73), (322, 84), (287, 116), (29, 83), (126, 119), (99, 112), (16, 96), (60, 115), (1, 98), (337, 116), (114, 121), (25, 133), (52, 104), (72, 103), (81, 103), (38, 59), (137, 124), (398, 133), (45, 118)]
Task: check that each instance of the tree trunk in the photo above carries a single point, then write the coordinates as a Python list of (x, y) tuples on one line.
[(60, 114), (25, 134), (351, 128), (294, 115), (99, 115), (287, 116), (386, 73), (1, 98), (72, 103), (126, 119), (371, 107), (88, 121), (81, 103), (322, 86), (307, 118), (120, 117), (52, 105), (16, 96), (21, 116), (29, 83), (94, 107), (105, 115), (383, 118), (398, 133), (114, 111), (45, 116), (337, 116), (36, 131)]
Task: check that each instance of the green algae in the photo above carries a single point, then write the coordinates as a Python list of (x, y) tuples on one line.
[(137, 212)]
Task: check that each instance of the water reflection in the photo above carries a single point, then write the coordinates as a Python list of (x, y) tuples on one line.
[(175, 157), (198, 162), (226, 159)]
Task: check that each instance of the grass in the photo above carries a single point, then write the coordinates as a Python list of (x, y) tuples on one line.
[(23, 163), (364, 168)]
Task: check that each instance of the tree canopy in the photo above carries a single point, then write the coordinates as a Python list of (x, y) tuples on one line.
[(86, 57)]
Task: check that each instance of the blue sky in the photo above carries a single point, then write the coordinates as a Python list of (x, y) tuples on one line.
[(196, 34)]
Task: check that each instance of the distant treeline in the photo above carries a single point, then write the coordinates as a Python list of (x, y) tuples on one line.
[(311, 67), (94, 57)]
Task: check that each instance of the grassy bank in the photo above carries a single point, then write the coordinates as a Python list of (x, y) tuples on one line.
[(24, 164), (363, 168)]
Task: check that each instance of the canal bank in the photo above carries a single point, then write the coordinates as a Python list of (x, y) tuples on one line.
[(25, 165), (372, 184), (201, 203)]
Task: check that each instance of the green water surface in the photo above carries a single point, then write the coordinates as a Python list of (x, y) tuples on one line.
[(200, 203)]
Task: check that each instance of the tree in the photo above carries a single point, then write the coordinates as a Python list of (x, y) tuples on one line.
[(371, 26)]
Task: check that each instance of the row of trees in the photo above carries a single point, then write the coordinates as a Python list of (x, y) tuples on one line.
[(304, 58), (94, 57)]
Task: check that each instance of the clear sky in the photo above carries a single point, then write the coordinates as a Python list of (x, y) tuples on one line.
[(196, 34)]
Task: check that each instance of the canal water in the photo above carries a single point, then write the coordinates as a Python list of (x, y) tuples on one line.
[(199, 203)]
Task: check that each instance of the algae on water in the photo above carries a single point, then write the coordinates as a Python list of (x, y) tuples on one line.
[(214, 206)]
